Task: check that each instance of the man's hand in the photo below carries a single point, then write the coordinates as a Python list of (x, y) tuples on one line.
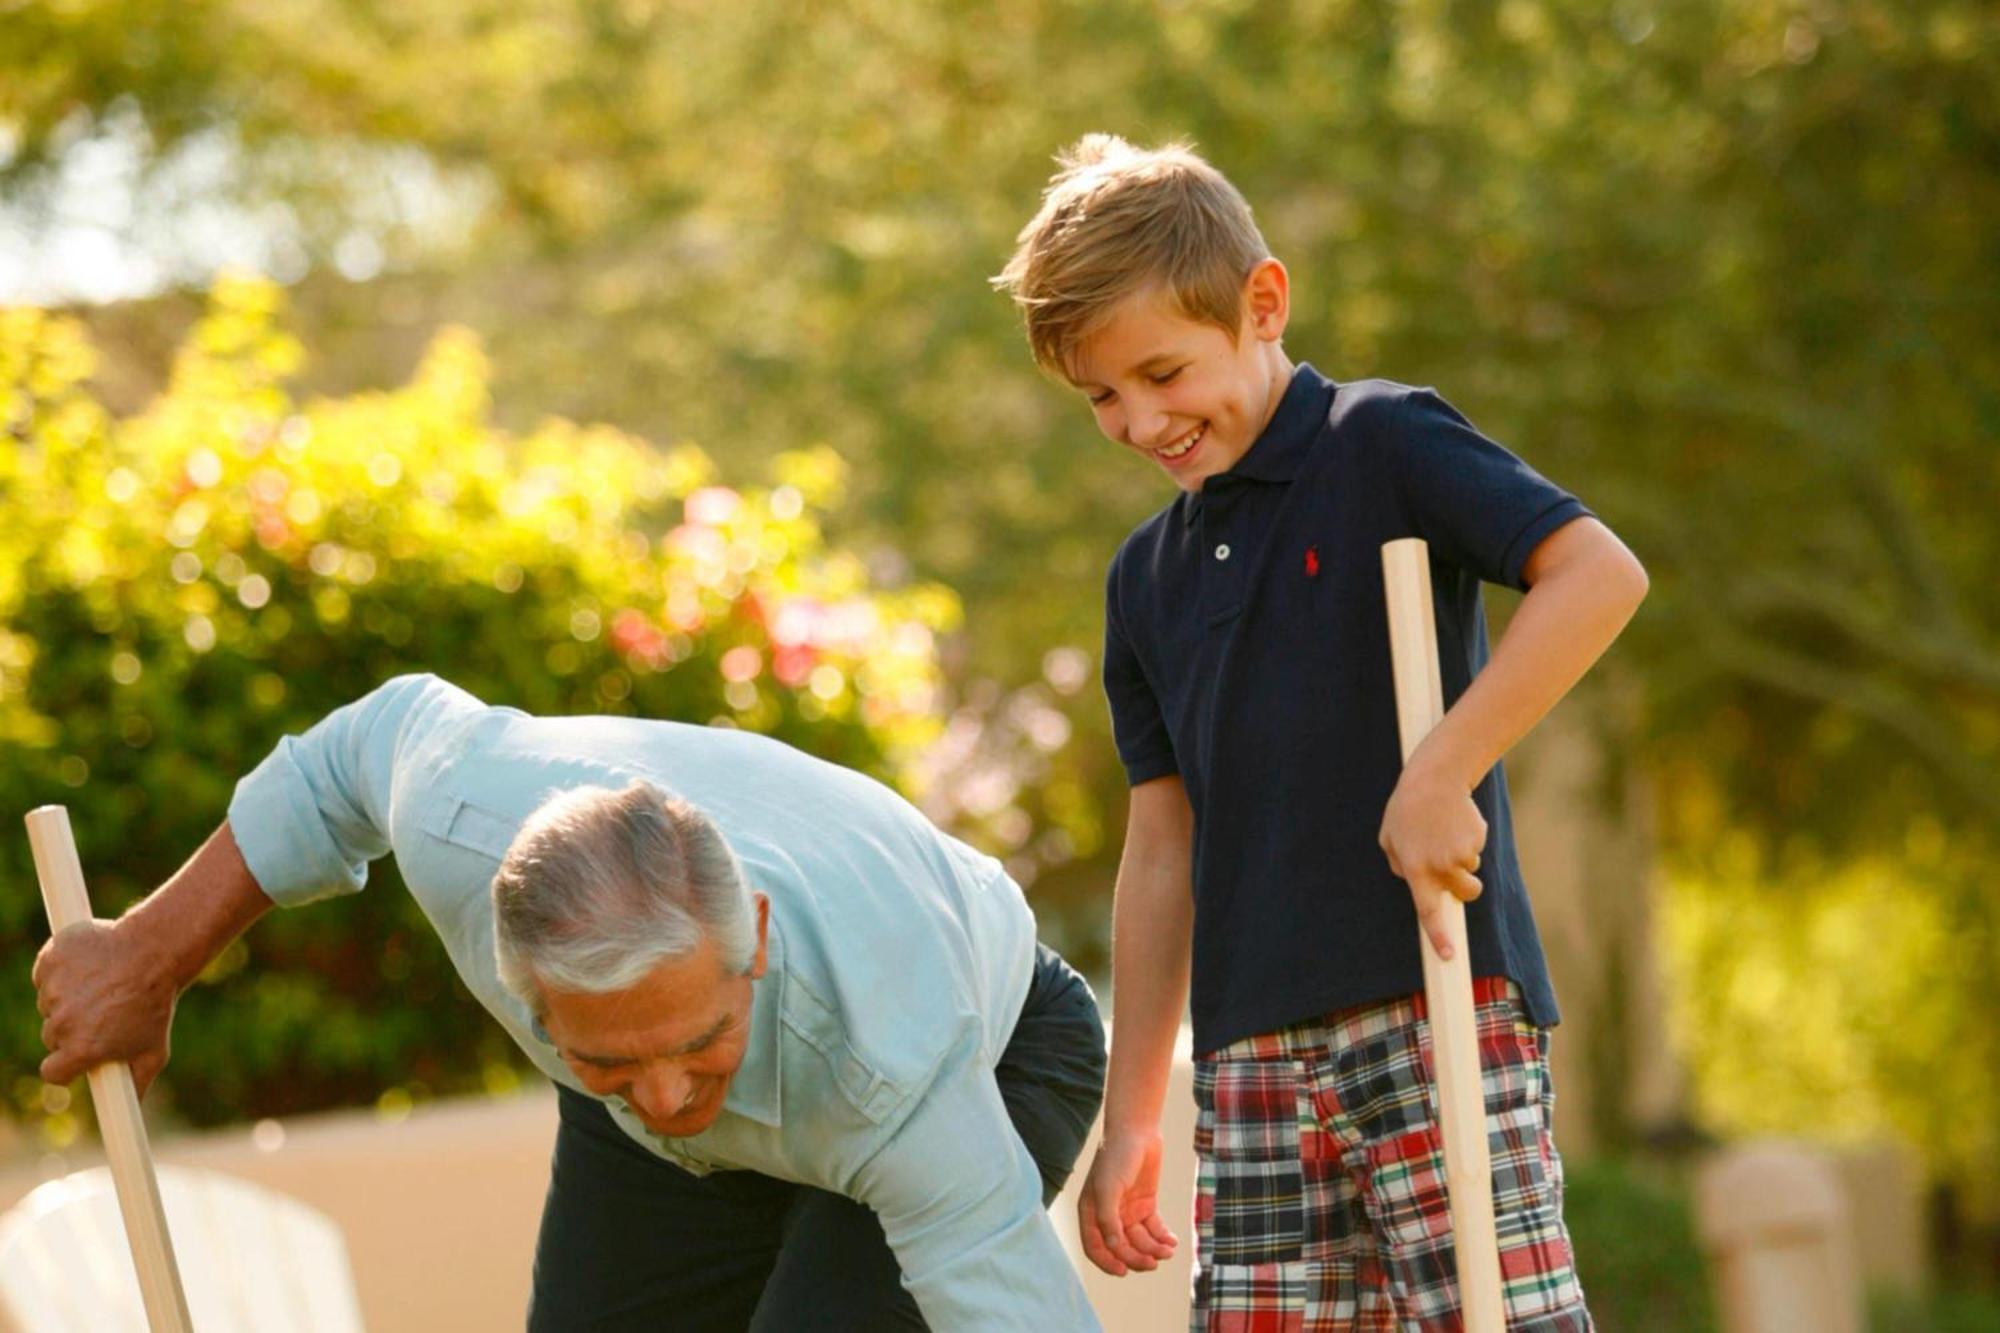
[(1433, 833), (1118, 1211), (103, 997)]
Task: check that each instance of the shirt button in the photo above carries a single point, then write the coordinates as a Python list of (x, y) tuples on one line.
[(1222, 551)]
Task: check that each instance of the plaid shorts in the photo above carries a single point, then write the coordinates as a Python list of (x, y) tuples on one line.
[(1320, 1203)]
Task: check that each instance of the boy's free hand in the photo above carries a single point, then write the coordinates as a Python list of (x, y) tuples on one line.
[(1118, 1210), (102, 997), (1433, 833)]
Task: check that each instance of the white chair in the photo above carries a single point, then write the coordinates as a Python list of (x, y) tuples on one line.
[(251, 1261)]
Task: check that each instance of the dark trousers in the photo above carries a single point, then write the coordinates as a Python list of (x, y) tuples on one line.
[(632, 1244)]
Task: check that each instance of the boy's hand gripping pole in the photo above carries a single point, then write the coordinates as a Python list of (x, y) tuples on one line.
[(1461, 1101), (113, 1093)]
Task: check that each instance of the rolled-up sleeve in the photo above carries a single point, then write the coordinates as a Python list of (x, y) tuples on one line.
[(960, 1202), (316, 811)]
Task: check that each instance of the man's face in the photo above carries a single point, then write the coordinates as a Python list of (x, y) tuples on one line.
[(1181, 393), (667, 1046)]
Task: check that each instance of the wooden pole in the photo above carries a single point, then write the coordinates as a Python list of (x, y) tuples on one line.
[(1461, 1101), (113, 1093)]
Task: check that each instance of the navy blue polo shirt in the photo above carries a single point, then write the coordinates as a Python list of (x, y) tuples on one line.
[(1247, 649)]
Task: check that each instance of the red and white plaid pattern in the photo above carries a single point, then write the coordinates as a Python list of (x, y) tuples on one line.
[(1320, 1203)]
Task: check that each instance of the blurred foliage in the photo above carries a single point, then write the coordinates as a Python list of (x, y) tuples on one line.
[(1674, 253), (1848, 1015), (1636, 1252), (180, 588), (1671, 252), (1967, 1311), (1724, 268)]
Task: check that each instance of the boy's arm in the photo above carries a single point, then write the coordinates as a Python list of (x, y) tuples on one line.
[(1152, 927), (1583, 586)]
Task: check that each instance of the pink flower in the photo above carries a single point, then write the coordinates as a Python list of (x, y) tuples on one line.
[(792, 664), (742, 663)]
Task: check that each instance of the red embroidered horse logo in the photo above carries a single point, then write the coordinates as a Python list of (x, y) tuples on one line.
[(1312, 562)]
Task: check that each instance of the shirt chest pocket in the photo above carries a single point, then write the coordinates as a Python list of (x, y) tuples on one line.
[(451, 868), (812, 1020), (470, 827)]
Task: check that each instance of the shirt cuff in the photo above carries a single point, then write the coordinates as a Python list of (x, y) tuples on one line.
[(1563, 512), (1148, 767), (283, 837)]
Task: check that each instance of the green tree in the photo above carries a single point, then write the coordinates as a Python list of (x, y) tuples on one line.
[(1668, 253), (1724, 268), (184, 586)]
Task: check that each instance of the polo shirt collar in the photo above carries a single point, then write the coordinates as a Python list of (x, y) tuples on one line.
[(755, 1092), (1280, 451)]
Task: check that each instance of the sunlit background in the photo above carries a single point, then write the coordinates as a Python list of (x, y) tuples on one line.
[(638, 356)]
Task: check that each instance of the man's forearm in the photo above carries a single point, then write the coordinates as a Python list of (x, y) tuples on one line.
[(185, 923), (959, 1199), (106, 990)]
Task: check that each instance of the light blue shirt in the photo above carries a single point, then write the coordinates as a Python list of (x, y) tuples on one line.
[(899, 958)]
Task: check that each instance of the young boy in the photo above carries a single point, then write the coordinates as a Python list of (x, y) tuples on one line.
[(1279, 854)]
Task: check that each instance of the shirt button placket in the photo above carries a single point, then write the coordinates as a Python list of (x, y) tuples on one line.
[(1222, 588)]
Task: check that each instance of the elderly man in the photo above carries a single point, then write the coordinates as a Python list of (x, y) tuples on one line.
[(813, 1070)]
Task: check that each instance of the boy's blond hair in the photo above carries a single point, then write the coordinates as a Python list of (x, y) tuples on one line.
[(1116, 219)]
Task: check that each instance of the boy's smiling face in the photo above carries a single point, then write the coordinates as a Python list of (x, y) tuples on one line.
[(1181, 392)]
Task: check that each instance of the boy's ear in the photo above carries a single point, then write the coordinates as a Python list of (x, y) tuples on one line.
[(1267, 300)]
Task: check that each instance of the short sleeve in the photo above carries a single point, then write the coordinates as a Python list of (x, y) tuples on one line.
[(1137, 725), (1478, 505)]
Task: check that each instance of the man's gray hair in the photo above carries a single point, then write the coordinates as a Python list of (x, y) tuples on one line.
[(602, 886)]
